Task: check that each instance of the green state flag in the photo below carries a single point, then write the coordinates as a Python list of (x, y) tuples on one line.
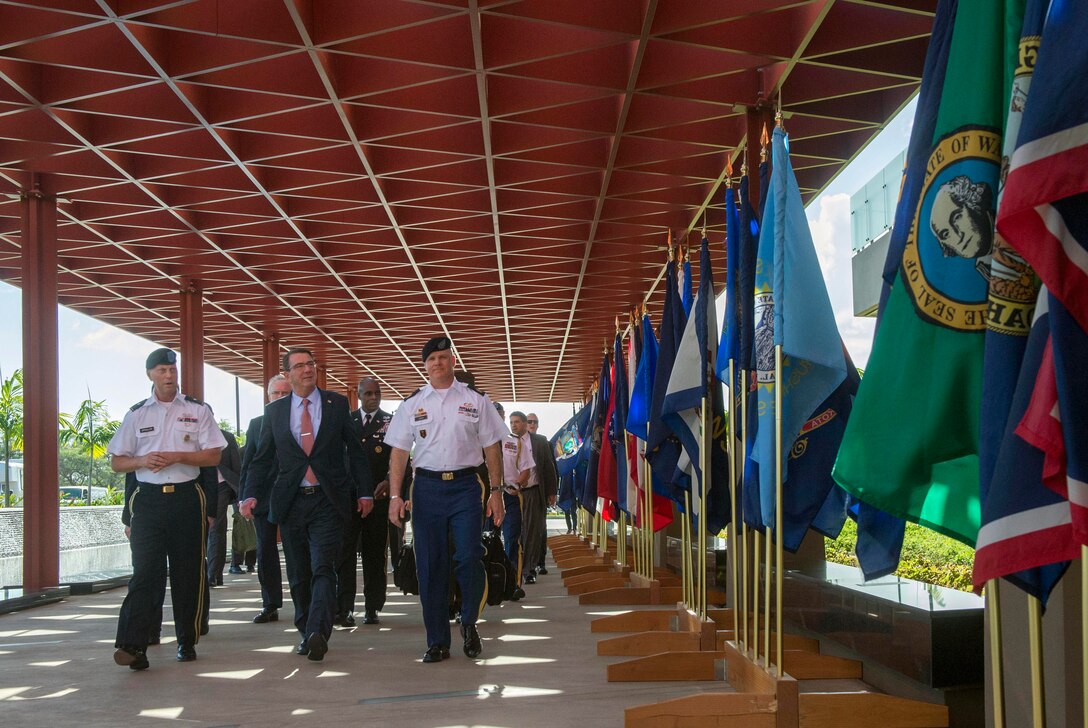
[(911, 445)]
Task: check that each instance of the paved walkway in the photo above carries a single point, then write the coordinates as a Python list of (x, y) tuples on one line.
[(541, 669)]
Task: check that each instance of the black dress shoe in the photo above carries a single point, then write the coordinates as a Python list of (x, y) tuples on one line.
[(345, 620), (132, 657), (268, 614), (218, 581), (473, 646), (541, 570), (530, 578), (249, 569), (316, 646), (186, 653), (436, 653), (519, 594), (370, 617), (303, 648), (235, 569)]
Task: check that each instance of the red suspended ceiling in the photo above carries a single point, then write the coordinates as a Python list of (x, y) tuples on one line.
[(358, 176)]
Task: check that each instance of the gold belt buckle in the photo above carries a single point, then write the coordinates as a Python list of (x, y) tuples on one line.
[(447, 476), (168, 489)]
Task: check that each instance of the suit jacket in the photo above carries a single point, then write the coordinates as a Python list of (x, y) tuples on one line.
[(230, 465), (253, 441), (279, 464), (545, 465), (377, 452)]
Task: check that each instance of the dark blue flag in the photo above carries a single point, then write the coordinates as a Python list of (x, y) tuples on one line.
[(598, 438), (662, 447)]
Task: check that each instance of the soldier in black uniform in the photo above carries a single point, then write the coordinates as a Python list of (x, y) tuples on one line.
[(165, 440), (368, 536)]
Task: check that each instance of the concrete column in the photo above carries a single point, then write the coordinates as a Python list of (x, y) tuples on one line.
[(41, 395), (271, 361), (192, 339)]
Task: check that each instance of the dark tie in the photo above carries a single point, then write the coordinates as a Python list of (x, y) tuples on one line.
[(307, 436), (366, 421)]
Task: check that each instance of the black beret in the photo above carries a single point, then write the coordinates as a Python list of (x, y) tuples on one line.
[(161, 356), (438, 343)]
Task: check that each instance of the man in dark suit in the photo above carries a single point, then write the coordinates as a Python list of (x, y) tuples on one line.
[(368, 536), (313, 494), (268, 550), (546, 475), (227, 473)]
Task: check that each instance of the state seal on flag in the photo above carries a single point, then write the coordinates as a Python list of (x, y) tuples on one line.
[(946, 258)]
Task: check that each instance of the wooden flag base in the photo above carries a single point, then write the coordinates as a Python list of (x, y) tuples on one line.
[(765, 699)]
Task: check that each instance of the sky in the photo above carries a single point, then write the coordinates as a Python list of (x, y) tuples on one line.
[(106, 363)]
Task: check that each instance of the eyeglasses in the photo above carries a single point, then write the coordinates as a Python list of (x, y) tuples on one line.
[(532, 422), (303, 365)]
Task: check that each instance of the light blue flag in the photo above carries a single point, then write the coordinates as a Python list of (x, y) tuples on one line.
[(813, 364), (729, 347), (762, 449)]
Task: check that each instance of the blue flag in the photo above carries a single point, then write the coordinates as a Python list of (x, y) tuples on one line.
[(638, 415), (568, 440), (662, 447), (618, 427), (685, 284)]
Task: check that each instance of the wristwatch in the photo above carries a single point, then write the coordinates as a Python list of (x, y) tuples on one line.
[(397, 497)]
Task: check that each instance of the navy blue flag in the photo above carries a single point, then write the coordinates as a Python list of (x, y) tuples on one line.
[(1070, 343), (747, 243), (880, 539), (568, 440), (662, 447), (729, 346), (685, 283), (642, 391), (618, 427)]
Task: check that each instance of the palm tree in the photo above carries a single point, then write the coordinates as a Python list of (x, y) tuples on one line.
[(11, 423), (90, 432)]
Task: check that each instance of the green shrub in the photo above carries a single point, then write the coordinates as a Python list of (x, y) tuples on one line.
[(927, 556)]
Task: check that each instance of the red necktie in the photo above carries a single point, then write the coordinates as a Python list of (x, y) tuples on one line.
[(307, 434)]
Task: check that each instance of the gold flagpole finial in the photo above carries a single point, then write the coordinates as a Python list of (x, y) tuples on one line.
[(728, 171), (671, 253), (618, 324), (704, 223), (778, 113), (764, 140)]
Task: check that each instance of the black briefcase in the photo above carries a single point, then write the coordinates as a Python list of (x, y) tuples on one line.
[(404, 573)]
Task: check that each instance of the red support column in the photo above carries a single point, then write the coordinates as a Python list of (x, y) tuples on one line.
[(353, 397), (192, 339), (41, 506), (322, 376), (271, 362)]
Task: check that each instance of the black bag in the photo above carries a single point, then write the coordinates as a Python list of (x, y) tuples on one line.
[(502, 577), (404, 574)]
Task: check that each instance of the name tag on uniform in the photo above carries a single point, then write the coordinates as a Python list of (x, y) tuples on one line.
[(510, 445), (468, 410), (186, 419), (420, 415), (147, 430)]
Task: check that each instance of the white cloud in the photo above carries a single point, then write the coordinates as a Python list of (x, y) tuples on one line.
[(110, 339)]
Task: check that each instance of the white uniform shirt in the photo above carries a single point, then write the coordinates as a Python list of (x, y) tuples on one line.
[(448, 427), (513, 461), (177, 426)]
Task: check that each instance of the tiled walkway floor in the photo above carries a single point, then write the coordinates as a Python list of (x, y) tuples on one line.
[(541, 669)]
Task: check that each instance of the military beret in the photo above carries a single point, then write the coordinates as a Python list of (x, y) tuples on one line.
[(438, 343), (161, 356), (499, 407)]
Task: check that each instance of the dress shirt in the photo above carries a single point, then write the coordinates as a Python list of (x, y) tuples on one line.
[(314, 398), (181, 425)]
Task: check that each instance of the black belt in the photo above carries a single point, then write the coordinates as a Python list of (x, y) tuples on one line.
[(309, 490), (446, 474), (165, 487)]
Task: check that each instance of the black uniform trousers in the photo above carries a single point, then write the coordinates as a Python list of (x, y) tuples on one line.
[(313, 533), (165, 525), (369, 538), (269, 573)]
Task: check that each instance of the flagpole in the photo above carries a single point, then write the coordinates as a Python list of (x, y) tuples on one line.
[(997, 678), (704, 456), (648, 521), (744, 526), (1084, 630), (767, 599), (732, 542), (1035, 640), (621, 538), (779, 556), (757, 547)]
